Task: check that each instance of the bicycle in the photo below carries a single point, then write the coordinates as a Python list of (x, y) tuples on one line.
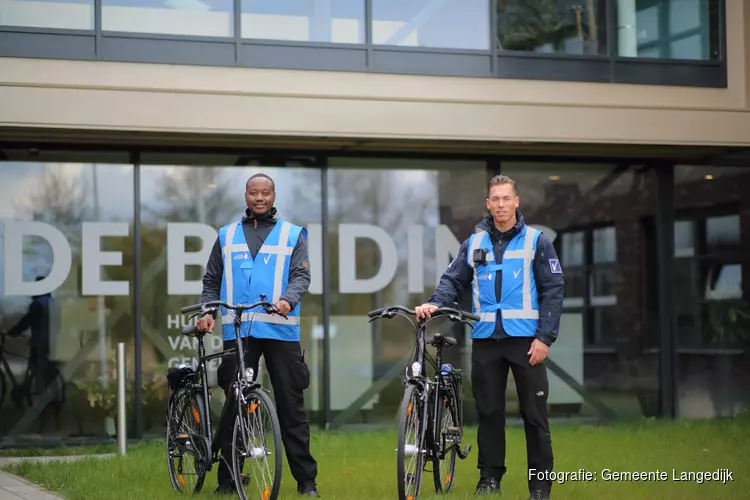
[(32, 385), (426, 403), (190, 388)]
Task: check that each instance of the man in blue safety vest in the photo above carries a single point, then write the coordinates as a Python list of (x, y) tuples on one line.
[(516, 283), (263, 254)]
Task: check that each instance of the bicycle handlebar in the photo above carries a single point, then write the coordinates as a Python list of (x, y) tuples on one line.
[(455, 314), (209, 307)]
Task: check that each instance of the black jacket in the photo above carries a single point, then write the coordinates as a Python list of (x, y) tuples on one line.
[(257, 229), (457, 279)]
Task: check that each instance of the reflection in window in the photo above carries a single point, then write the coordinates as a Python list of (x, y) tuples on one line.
[(69, 224), (338, 21), (455, 24), (552, 26), (605, 246), (723, 230), (171, 17), (683, 239), (724, 281), (668, 29), (572, 253), (60, 14)]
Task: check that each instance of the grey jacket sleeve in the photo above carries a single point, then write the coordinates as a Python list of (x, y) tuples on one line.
[(299, 273), (214, 274)]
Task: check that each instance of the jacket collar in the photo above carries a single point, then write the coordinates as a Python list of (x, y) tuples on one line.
[(488, 224)]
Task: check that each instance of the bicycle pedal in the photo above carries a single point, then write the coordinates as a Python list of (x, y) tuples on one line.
[(465, 453), (453, 433)]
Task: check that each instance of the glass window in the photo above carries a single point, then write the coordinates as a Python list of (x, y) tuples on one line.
[(170, 17), (337, 21), (712, 307), (602, 250), (668, 29), (552, 26), (721, 231), (605, 245), (454, 24), (183, 205), (683, 238), (395, 227), (67, 267), (572, 249), (59, 14)]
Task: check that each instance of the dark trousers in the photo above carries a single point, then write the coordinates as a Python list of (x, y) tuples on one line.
[(290, 376), (490, 360)]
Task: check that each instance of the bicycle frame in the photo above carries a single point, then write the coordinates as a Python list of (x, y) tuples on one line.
[(420, 379), (244, 380)]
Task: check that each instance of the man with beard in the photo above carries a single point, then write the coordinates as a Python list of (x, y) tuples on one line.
[(253, 271)]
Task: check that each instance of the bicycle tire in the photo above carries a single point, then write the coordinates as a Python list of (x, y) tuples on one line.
[(444, 479), (200, 462), (405, 414), (269, 492)]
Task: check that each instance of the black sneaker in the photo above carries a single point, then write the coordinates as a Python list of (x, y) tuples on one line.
[(487, 486), (538, 495), (225, 490), (307, 488)]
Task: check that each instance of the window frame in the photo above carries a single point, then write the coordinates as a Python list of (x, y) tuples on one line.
[(236, 51), (589, 304), (700, 256)]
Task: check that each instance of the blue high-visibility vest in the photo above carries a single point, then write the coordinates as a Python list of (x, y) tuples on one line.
[(245, 279), (519, 304)]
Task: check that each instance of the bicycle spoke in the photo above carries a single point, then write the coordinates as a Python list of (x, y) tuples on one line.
[(255, 447), (183, 455)]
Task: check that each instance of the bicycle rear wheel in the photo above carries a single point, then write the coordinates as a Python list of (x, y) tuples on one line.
[(410, 454), (187, 454), (256, 450), (448, 439)]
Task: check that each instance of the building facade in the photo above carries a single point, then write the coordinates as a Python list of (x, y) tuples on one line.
[(128, 129)]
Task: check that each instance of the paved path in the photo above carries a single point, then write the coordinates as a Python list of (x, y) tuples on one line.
[(16, 488)]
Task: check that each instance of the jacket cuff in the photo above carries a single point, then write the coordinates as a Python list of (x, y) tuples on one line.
[(289, 301), (547, 338)]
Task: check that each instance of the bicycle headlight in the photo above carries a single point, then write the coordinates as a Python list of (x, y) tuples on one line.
[(249, 373), (416, 369)]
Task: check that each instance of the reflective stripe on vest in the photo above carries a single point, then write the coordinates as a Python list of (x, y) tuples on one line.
[(515, 321), (257, 277)]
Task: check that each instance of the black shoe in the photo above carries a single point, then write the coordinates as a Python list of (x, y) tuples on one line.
[(539, 495), (225, 490), (307, 488), (487, 486)]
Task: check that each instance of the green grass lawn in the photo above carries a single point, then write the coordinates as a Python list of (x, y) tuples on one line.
[(363, 465)]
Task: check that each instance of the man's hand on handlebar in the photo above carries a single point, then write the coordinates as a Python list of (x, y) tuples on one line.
[(283, 307), (425, 311), (206, 323)]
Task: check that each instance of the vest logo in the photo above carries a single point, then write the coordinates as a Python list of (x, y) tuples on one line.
[(267, 258), (555, 267), (516, 273), (487, 276), (240, 256)]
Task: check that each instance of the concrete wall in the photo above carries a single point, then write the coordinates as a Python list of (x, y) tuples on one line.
[(164, 98)]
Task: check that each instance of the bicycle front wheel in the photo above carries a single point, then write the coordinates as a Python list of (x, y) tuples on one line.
[(410, 453), (256, 450)]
